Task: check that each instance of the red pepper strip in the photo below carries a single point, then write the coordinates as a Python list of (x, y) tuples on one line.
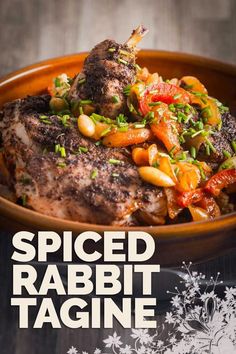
[(220, 180), (209, 204), (187, 198), (163, 92)]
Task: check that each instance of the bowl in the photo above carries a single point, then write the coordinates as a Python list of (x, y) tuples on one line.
[(193, 241)]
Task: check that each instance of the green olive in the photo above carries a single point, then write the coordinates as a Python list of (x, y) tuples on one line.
[(58, 104), (228, 164)]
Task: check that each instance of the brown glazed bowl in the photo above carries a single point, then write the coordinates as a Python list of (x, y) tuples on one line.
[(175, 243)]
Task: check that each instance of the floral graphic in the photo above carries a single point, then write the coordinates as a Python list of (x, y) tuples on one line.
[(200, 322)]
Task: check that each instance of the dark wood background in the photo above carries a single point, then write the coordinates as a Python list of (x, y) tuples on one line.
[(34, 30)]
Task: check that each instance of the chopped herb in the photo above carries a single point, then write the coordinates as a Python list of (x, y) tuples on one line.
[(155, 164), (233, 143), (182, 156), (139, 125), (115, 99), (121, 120), (111, 50), (122, 61), (172, 107), (137, 67), (178, 95), (197, 133), (74, 105), (24, 200), (63, 151), (126, 90), (83, 102), (187, 87), (203, 100), (182, 117), (25, 180), (220, 125), (176, 170), (179, 105), (206, 113), (106, 131), (82, 149), (82, 81), (193, 152), (171, 151), (154, 103), (208, 150), (199, 94), (226, 153), (94, 174), (199, 125), (57, 82), (202, 173), (123, 129), (57, 148), (150, 116), (210, 145), (114, 162), (64, 119), (43, 116), (61, 164), (98, 143), (81, 111), (132, 109), (46, 121)]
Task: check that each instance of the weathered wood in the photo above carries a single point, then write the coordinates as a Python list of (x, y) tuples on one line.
[(38, 29)]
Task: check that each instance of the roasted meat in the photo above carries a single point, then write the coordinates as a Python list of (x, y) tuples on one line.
[(221, 140), (107, 70), (86, 182)]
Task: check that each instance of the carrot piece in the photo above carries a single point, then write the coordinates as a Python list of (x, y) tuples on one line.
[(131, 137), (140, 156), (191, 83)]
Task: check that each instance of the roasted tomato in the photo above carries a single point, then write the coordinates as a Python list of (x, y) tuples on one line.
[(187, 198), (165, 128), (221, 180), (162, 92), (209, 204)]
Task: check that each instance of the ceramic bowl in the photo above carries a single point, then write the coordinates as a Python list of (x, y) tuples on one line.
[(193, 241)]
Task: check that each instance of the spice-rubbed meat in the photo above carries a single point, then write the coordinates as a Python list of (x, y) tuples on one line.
[(221, 141), (107, 70), (90, 184)]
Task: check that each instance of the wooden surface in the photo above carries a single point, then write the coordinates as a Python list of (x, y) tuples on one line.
[(34, 30)]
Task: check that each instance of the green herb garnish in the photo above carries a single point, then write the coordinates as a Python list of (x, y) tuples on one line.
[(115, 99), (114, 162), (94, 174)]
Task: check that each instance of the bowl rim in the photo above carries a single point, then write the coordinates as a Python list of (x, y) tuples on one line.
[(182, 230)]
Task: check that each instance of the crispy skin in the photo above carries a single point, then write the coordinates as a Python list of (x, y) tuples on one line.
[(106, 77), (69, 192)]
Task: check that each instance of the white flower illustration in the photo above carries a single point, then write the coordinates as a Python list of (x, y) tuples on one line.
[(72, 350), (200, 323), (113, 341), (97, 351), (142, 335)]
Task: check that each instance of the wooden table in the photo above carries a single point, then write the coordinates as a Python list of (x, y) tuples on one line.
[(34, 30)]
